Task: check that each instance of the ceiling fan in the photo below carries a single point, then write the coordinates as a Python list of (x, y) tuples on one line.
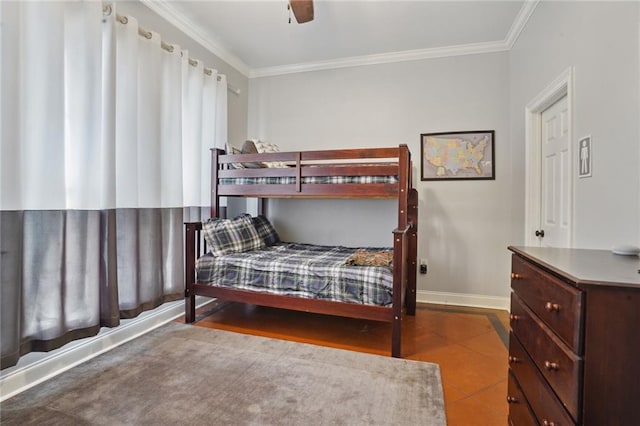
[(302, 10)]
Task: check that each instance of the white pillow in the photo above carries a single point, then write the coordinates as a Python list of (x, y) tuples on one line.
[(234, 150), (267, 147)]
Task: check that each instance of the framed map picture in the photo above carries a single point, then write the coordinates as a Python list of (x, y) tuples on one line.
[(457, 155)]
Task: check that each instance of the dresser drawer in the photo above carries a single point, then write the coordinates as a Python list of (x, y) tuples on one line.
[(544, 403), (557, 304), (519, 411), (557, 363)]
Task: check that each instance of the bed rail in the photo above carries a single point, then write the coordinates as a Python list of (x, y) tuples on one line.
[(400, 260), (374, 162), (412, 255), (195, 246)]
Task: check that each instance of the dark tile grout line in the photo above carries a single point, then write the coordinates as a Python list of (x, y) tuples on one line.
[(217, 308), (503, 334)]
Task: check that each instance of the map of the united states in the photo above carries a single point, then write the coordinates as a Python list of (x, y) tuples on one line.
[(451, 156)]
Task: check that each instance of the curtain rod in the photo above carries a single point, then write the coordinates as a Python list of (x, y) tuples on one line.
[(107, 9)]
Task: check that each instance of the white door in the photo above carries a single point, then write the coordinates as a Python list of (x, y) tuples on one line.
[(555, 217)]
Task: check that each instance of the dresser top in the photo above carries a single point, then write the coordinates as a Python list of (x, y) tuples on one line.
[(585, 266)]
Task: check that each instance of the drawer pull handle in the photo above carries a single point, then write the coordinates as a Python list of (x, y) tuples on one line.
[(546, 422), (515, 276), (512, 399), (514, 317), (551, 365), (513, 360), (552, 307)]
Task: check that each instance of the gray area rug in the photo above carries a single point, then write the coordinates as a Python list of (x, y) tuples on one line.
[(187, 375)]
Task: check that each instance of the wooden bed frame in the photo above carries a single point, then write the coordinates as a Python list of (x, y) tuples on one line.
[(345, 162)]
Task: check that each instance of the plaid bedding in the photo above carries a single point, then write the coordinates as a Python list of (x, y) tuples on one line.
[(290, 180), (300, 270)]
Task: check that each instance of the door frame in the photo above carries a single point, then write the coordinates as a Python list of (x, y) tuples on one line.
[(558, 88)]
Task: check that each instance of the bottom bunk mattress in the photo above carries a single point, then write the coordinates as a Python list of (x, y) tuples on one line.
[(301, 270)]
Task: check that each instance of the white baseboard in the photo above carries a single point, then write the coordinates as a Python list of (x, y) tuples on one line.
[(36, 367), (460, 299)]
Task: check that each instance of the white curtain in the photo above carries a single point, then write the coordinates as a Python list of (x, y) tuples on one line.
[(199, 103), (105, 139)]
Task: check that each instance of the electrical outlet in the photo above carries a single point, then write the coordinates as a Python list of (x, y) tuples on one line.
[(423, 266)]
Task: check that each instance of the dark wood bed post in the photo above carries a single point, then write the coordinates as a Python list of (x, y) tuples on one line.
[(410, 302), (190, 273), (400, 249), (404, 165), (215, 166), (412, 264)]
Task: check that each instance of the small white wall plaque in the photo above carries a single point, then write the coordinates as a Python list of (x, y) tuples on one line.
[(585, 154)]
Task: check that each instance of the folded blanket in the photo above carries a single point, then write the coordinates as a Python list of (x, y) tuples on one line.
[(364, 257)]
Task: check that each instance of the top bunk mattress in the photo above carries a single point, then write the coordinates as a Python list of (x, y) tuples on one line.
[(300, 270)]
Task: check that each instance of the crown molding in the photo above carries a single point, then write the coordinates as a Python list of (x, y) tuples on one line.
[(518, 25), (384, 58), (184, 24), (520, 22), (164, 9)]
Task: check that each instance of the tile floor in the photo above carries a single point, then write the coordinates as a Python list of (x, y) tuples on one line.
[(469, 344)]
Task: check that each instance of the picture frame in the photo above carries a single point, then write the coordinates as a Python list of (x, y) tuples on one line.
[(585, 156), (460, 155)]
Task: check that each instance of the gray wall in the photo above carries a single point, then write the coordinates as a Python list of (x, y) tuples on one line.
[(464, 225), (600, 41)]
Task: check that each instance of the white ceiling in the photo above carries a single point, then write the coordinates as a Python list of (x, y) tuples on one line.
[(256, 38)]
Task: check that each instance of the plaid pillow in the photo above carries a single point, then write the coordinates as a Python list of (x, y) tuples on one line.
[(266, 231), (236, 235)]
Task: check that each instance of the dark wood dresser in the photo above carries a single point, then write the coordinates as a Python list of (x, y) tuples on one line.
[(574, 349)]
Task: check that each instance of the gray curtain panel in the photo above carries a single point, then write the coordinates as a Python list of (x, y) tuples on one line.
[(66, 273), (100, 155)]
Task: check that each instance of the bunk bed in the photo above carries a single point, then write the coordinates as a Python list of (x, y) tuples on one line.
[(345, 173)]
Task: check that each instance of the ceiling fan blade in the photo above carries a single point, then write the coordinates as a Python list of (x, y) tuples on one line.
[(302, 10)]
